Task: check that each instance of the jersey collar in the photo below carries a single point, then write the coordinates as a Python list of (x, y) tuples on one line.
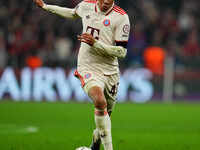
[(98, 10)]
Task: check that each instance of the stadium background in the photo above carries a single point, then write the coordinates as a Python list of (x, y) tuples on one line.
[(163, 35), (162, 65)]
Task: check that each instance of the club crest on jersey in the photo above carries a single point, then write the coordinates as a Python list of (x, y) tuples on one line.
[(106, 22), (88, 75)]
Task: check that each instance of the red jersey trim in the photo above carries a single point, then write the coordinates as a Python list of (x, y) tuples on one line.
[(121, 41), (119, 10), (90, 1), (96, 8), (76, 74), (117, 7)]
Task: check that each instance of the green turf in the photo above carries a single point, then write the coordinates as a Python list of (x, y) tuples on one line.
[(67, 126)]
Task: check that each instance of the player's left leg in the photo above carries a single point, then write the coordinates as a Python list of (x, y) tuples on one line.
[(96, 139), (94, 86), (102, 119), (110, 95)]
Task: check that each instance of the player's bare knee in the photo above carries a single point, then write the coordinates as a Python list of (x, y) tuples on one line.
[(100, 104), (100, 107), (98, 98)]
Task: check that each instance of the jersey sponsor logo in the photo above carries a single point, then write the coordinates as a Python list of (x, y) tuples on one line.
[(126, 28), (88, 75), (93, 31), (106, 22)]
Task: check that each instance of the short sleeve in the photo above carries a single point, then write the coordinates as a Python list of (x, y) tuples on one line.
[(122, 29), (79, 9)]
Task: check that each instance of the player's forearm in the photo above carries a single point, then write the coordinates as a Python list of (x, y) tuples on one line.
[(117, 51), (64, 12)]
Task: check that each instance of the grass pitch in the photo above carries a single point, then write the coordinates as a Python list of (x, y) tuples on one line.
[(60, 126)]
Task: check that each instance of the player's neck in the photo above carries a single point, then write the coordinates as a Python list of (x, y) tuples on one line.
[(101, 9)]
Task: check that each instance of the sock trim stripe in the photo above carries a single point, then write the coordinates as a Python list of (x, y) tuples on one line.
[(97, 112)]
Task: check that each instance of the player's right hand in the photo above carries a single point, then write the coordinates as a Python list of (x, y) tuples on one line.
[(86, 38), (39, 3)]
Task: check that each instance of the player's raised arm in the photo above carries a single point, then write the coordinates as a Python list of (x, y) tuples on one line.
[(61, 11)]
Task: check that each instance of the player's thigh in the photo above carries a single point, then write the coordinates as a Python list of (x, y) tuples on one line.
[(92, 82), (95, 90), (111, 90), (98, 98), (88, 80), (94, 86)]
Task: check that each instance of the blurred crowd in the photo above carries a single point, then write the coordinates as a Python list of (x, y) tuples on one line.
[(32, 37)]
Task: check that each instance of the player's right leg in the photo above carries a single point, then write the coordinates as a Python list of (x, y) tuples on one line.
[(102, 119)]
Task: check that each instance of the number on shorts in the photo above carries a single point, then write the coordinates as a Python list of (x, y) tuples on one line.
[(114, 89)]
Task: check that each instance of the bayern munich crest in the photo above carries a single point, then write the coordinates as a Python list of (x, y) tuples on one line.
[(106, 22), (88, 75)]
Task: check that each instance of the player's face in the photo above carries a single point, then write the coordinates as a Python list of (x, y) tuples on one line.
[(105, 5)]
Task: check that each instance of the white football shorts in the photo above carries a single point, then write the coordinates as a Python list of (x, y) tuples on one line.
[(108, 83)]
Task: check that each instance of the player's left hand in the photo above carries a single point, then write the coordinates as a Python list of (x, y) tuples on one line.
[(87, 38)]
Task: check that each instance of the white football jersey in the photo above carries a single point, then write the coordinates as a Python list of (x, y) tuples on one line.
[(109, 27)]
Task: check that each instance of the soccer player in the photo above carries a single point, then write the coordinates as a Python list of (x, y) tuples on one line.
[(104, 39)]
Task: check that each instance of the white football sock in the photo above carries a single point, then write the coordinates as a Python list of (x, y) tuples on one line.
[(103, 124), (96, 135)]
